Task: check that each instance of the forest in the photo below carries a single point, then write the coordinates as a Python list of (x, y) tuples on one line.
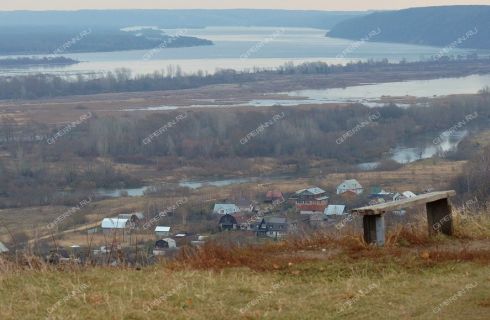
[(60, 40), (42, 85), (469, 26), (33, 61), (474, 183), (292, 135)]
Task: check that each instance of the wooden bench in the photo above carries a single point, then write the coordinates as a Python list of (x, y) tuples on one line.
[(439, 215)]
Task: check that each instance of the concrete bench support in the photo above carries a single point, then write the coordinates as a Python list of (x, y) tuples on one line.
[(438, 214), (374, 229), (439, 217)]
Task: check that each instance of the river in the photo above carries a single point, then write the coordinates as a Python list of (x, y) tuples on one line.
[(240, 48)]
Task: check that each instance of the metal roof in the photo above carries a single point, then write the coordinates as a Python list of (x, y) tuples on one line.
[(275, 220), (162, 229), (333, 210), (312, 190), (114, 223), (225, 208), (322, 198), (350, 184)]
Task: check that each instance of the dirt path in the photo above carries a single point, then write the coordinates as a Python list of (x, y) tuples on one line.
[(50, 236)]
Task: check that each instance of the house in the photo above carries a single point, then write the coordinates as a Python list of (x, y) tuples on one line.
[(274, 227), (335, 210), (162, 231), (274, 196), (3, 248), (404, 195), (114, 224), (228, 222), (311, 208), (310, 196), (311, 201), (225, 208), (351, 185), (135, 218)]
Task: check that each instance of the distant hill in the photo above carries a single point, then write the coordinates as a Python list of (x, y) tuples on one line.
[(176, 18), (435, 26), (68, 39)]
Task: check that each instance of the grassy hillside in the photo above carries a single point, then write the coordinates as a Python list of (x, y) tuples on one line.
[(319, 277), (316, 290), (436, 26)]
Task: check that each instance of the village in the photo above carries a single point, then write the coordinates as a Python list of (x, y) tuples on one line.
[(241, 219)]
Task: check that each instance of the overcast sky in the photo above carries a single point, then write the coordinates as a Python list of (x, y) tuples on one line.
[(213, 4)]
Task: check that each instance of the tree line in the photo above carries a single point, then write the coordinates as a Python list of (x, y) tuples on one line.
[(36, 86), (37, 168)]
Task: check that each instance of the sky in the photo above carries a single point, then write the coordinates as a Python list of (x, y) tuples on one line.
[(219, 4)]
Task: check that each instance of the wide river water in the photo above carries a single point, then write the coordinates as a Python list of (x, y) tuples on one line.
[(241, 48)]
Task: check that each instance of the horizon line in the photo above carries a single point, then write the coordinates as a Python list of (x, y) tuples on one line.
[(235, 8)]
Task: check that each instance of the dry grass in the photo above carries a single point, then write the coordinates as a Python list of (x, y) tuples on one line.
[(305, 277), (409, 242), (308, 290)]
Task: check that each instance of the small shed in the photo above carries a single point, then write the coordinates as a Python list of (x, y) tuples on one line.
[(166, 243), (162, 231)]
